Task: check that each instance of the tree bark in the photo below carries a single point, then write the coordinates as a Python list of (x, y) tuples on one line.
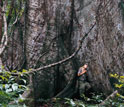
[(99, 50), (103, 49), (0, 20), (53, 31)]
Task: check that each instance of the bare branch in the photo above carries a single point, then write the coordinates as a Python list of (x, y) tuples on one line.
[(4, 40), (110, 96), (62, 61), (66, 59)]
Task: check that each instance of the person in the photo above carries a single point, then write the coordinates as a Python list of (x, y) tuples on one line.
[(82, 70), (82, 82)]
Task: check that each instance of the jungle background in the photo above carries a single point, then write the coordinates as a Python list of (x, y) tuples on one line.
[(43, 43)]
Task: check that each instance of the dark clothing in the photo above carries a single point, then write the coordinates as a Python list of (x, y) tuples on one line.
[(82, 77), (83, 84)]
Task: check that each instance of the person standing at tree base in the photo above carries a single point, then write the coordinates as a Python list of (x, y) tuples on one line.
[(83, 85)]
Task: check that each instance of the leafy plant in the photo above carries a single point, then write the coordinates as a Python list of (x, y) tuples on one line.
[(120, 81), (11, 86), (118, 85)]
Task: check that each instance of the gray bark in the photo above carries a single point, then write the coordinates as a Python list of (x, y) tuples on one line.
[(102, 50), (53, 31)]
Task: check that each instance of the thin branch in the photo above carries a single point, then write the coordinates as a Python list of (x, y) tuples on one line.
[(66, 59), (4, 40), (15, 20), (59, 62), (46, 51)]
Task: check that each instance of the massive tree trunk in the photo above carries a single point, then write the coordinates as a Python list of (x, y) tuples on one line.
[(103, 49), (60, 20), (44, 46), (54, 29)]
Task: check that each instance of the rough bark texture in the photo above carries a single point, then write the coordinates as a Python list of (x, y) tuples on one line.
[(0, 26), (44, 45), (103, 49), (53, 31), (0, 20)]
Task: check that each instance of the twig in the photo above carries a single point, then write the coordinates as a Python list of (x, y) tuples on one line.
[(15, 20)]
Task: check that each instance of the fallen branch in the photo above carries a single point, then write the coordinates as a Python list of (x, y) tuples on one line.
[(109, 97)]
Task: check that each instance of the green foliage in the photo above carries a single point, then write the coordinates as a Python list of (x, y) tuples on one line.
[(17, 9), (11, 86), (118, 85), (66, 102), (72, 103), (4, 97), (120, 79), (14, 13)]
